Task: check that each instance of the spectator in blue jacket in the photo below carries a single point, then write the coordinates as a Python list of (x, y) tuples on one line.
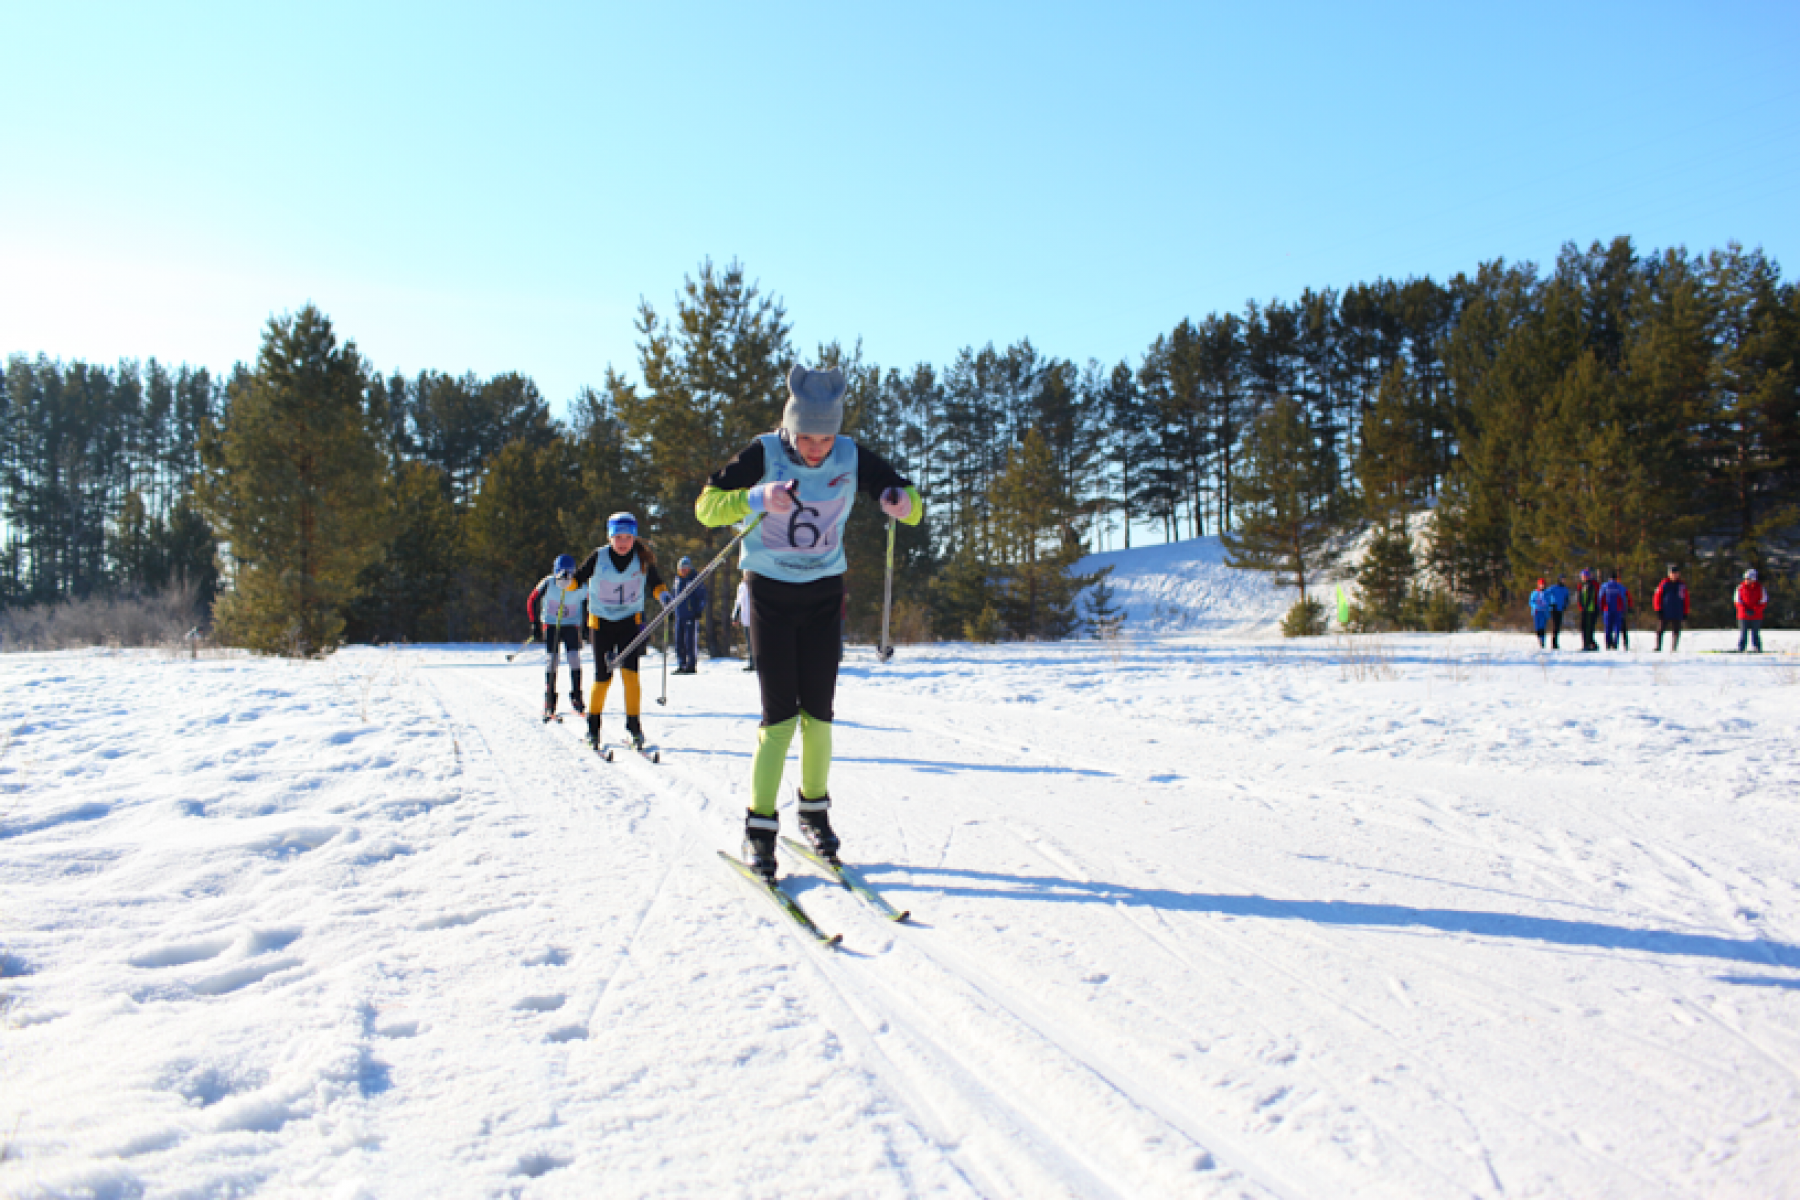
[(690, 605), (1614, 600), (1540, 611), (1558, 597)]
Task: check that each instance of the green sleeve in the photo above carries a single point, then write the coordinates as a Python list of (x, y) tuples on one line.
[(718, 507), (918, 506)]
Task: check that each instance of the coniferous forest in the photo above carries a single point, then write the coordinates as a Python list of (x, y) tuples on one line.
[(1616, 410)]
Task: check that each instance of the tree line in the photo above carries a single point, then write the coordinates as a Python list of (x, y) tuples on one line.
[(1618, 410)]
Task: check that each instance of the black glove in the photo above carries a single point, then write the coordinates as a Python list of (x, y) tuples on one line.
[(537, 630)]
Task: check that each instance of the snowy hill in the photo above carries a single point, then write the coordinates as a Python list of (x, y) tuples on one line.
[(1185, 587), (1196, 917)]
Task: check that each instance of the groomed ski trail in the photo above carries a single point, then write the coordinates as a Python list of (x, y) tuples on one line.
[(1020, 1110)]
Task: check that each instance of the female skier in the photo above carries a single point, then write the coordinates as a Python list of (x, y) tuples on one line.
[(558, 609), (802, 478), (1539, 601), (618, 575)]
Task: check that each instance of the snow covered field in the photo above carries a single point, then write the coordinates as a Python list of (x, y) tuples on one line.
[(1401, 917)]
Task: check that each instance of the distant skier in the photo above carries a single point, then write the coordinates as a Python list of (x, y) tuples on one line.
[(1671, 604), (803, 478), (1539, 602), (740, 615), (1558, 596), (1614, 600), (618, 575), (1751, 599), (1587, 599), (557, 608), (690, 605)]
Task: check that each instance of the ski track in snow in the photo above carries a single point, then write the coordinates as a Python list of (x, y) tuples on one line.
[(1195, 916)]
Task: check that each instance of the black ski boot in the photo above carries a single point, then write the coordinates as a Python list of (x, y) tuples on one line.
[(815, 823), (759, 844), (593, 733), (575, 692), (635, 732), (549, 703)]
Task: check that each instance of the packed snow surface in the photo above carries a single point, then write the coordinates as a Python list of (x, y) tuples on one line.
[(1404, 917)]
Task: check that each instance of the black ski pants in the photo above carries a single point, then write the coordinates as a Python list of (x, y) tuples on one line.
[(794, 640), (1589, 621)]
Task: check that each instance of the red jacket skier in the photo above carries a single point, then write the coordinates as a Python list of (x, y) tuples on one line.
[(1751, 598)]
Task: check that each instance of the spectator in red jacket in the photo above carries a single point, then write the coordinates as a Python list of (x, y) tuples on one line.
[(1751, 598), (1671, 605)]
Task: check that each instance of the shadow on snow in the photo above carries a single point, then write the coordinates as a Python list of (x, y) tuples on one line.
[(1548, 930)]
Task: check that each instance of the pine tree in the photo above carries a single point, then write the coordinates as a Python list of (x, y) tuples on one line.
[(1105, 618), (293, 483), (1286, 504), (515, 530), (1384, 578), (412, 591), (1034, 545)]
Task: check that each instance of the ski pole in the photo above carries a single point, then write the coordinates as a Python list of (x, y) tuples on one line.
[(885, 650), (664, 698), (528, 641), (650, 626)]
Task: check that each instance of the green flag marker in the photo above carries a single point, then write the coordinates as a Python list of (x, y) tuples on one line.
[(1343, 607)]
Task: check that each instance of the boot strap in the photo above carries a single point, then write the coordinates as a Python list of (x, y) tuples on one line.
[(770, 824), (812, 806)]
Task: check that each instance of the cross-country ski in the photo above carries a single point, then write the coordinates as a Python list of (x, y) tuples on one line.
[(849, 876)]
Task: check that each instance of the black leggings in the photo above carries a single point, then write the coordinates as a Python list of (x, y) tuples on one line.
[(794, 636), (611, 637)]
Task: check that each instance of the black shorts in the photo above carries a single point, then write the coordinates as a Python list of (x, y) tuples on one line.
[(794, 637), (611, 637)]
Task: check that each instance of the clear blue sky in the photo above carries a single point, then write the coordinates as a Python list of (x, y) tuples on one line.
[(493, 187)]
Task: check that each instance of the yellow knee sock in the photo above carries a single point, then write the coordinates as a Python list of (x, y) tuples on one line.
[(632, 694), (597, 695)]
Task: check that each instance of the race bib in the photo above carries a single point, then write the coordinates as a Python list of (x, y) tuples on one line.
[(621, 593), (813, 528)]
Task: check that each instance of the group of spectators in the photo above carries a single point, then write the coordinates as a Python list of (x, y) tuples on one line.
[(1605, 605)]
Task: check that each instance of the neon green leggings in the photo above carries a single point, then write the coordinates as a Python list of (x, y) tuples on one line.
[(771, 754)]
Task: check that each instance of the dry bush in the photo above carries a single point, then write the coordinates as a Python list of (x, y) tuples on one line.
[(1365, 660), (910, 623), (126, 619), (1475, 668)]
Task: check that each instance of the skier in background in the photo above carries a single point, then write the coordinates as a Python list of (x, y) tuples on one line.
[(690, 603), (1558, 596), (803, 478), (1614, 600), (1587, 599), (1671, 604), (1539, 601), (740, 615), (557, 608), (618, 576), (1751, 599)]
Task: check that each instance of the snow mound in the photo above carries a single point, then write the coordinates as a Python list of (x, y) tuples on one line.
[(1185, 587)]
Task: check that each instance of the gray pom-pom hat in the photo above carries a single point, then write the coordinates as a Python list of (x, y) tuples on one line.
[(815, 402)]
